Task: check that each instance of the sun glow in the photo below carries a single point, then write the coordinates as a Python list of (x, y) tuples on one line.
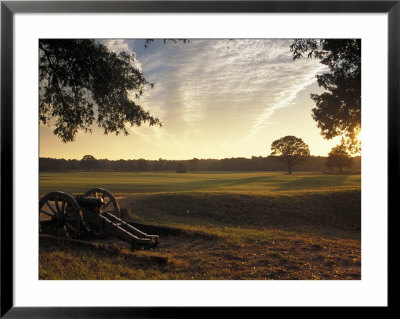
[(356, 143), (358, 137)]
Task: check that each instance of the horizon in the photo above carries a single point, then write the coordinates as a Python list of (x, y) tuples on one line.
[(216, 98), (187, 159)]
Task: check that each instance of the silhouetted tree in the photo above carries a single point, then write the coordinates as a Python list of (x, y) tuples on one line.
[(339, 157), (338, 109), (88, 162), (290, 150), (181, 168), (104, 165), (81, 81), (52, 164), (157, 165), (142, 165), (194, 165), (73, 164)]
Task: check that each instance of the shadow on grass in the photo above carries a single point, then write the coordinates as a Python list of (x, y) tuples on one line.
[(220, 183), (273, 182), (196, 185), (310, 182), (334, 213)]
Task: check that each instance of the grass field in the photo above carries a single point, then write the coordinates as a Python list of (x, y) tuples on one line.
[(232, 226), (128, 183)]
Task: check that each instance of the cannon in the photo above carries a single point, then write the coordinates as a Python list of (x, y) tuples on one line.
[(95, 213)]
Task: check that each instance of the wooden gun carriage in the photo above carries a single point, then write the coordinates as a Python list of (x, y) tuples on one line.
[(94, 213)]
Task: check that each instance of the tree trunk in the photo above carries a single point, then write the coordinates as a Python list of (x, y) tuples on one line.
[(289, 165)]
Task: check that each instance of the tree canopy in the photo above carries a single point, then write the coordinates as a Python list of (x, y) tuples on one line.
[(82, 82), (194, 165), (88, 158), (88, 162), (181, 168), (338, 109), (339, 157), (290, 150)]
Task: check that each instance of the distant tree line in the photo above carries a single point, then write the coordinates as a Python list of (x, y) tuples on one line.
[(255, 163)]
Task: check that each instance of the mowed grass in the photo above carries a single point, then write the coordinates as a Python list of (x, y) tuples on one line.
[(128, 183), (232, 226)]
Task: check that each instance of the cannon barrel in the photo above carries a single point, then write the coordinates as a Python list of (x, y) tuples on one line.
[(89, 201)]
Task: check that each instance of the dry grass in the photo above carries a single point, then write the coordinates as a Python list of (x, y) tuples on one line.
[(278, 255), (300, 235)]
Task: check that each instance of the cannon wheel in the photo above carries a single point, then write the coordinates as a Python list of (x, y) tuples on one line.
[(59, 212), (110, 203)]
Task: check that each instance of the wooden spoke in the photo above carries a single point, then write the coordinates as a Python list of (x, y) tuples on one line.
[(71, 227), (63, 206), (58, 206), (46, 213), (52, 209)]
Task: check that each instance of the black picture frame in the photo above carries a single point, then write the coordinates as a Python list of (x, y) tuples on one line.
[(9, 8)]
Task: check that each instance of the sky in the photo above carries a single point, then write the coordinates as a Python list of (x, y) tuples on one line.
[(217, 98)]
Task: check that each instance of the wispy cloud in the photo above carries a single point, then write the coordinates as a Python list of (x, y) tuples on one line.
[(117, 45), (120, 45), (207, 85)]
